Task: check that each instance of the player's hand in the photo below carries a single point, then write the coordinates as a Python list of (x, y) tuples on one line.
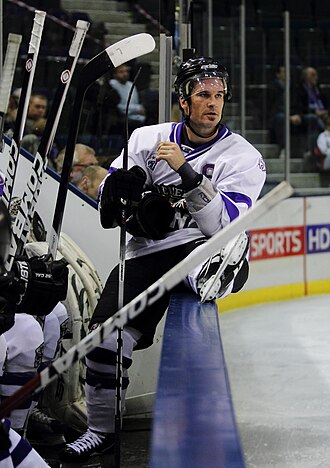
[(171, 153), (124, 185)]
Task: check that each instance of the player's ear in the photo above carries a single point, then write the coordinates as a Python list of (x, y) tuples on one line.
[(184, 105)]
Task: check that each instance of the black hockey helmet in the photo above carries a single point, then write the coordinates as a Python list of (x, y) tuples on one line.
[(5, 233), (198, 68)]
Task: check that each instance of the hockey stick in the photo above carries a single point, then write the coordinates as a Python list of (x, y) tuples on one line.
[(25, 213), (148, 297), (113, 56), (30, 66), (121, 284), (14, 41)]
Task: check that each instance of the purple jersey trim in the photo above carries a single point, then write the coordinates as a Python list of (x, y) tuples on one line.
[(2, 183), (20, 452), (230, 198), (112, 169), (175, 137)]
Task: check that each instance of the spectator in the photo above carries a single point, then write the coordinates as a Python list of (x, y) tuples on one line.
[(120, 82), (83, 157), (37, 110), (104, 117), (31, 142), (10, 117), (91, 179), (275, 107), (309, 99), (322, 148), (308, 108)]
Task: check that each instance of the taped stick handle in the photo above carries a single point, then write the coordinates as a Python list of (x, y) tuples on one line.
[(14, 41), (66, 75), (38, 25), (30, 67), (78, 38)]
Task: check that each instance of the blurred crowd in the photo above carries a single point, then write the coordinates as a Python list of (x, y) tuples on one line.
[(105, 127)]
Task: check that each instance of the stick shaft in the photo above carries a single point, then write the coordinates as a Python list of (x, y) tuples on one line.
[(121, 286), (152, 294)]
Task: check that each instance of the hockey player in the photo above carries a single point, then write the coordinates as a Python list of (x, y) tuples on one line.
[(15, 451), (185, 182), (33, 337)]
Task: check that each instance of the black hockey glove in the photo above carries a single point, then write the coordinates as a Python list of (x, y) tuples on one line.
[(5, 443), (42, 284), (7, 315), (122, 190), (9, 286), (152, 218)]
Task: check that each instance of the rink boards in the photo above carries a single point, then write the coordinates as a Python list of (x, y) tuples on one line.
[(289, 253)]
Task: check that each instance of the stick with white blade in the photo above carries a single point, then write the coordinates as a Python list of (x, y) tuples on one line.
[(14, 41), (113, 56), (148, 297), (25, 213), (30, 66)]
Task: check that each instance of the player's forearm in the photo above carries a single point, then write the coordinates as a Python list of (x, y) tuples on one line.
[(201, 199)]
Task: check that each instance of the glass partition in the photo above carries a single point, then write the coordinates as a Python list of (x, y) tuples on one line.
[(264, 87)]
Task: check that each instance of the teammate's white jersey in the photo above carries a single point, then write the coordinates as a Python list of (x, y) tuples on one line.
[(20, 454), (235, 168)]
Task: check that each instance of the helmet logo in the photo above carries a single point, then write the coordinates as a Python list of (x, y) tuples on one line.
[(207, 67)]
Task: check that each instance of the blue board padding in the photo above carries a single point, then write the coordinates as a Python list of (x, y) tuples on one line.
[(194, 424)]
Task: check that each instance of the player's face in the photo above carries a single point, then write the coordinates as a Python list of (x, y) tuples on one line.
[(206, 103)]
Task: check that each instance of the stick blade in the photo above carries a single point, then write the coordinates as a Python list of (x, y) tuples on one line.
[(130, 48)]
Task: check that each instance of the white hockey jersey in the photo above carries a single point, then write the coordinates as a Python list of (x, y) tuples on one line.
[(235, 168), (20, 454)]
